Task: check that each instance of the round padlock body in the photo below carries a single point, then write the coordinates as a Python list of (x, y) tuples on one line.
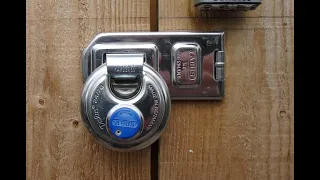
[(125, 116)]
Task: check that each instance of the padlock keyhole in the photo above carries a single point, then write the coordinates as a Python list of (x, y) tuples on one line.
[(118, 132)]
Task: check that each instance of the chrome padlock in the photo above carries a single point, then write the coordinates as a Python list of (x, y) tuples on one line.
[(131, 78), (125, 102)]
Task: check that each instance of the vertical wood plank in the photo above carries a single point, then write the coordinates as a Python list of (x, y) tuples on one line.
[(58, 145), (249, 134)]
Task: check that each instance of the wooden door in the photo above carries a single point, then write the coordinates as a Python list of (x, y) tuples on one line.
[(58, 145), (248, 135)]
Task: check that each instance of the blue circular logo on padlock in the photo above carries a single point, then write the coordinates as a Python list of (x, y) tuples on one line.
[(124, 123)]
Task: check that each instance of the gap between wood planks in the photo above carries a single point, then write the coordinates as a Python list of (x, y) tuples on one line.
[(154, 160)]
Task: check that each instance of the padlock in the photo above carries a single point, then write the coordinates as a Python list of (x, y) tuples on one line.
[(131, 78), (125, 102)]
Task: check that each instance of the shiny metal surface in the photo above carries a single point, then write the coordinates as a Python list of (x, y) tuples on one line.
[(152, 103), (129, 65), (191, 63), (124, 71), (186, 66), (238, 5)]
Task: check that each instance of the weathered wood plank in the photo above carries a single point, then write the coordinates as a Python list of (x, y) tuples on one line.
[(248, 135), (58, 145)]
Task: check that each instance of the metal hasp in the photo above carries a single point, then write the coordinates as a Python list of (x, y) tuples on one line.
[(238, 5), (131, 78), (191, 63)]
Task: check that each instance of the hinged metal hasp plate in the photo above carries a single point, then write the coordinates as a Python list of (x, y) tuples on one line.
[(191, 63), (235, 5)]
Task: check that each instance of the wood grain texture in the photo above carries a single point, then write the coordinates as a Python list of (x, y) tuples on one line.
[(58, 145), (248, 135)]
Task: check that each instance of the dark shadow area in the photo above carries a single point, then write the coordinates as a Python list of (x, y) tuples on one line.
[(154, 154)]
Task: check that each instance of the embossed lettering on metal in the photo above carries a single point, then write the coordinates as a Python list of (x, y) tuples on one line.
[(127, 64), (186, 64)]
